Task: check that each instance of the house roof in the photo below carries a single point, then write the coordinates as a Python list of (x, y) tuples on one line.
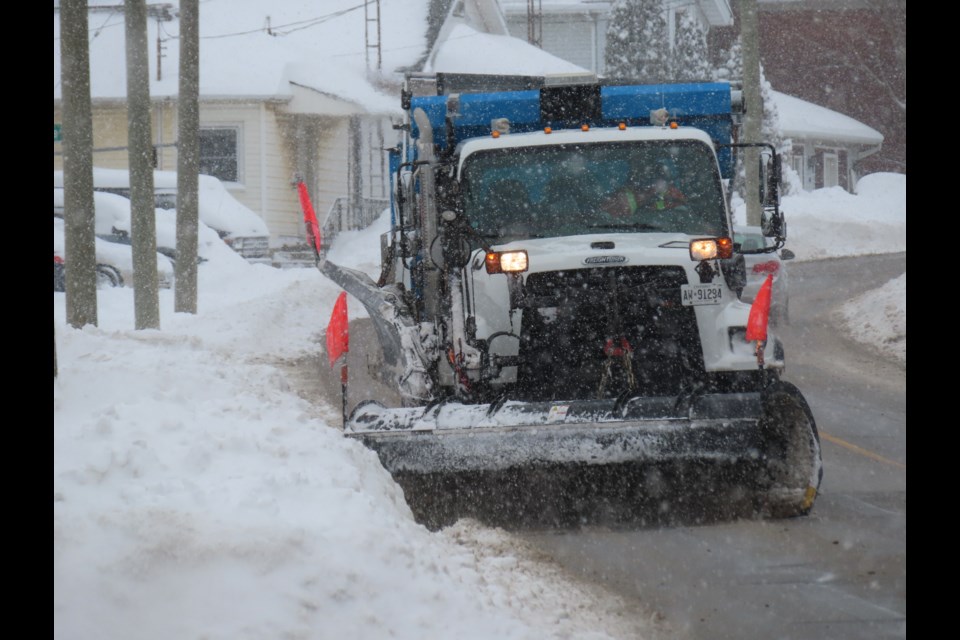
[(258, 49), (474, 39), (802, 119)]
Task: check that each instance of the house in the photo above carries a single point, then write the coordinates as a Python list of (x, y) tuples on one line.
[(472, 26), (853, 56), (827, 148), (846, 55), (577, 31), (287, 90)]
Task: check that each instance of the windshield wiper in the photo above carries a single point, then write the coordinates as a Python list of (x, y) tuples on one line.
[(625, 225), (516, 236)]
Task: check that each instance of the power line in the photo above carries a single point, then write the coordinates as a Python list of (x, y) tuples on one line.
[(284, 29)]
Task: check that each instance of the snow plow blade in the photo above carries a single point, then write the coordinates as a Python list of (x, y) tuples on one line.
[(576, 461), (403, 366)]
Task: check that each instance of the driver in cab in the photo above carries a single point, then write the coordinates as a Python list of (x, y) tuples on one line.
[(649, 188)]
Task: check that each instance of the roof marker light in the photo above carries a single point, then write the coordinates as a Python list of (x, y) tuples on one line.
[(673, 124), (495, 134), (547, 130), (584, 127), (622, 126)]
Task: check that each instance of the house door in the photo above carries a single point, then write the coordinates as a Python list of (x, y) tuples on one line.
[(798, 162), (831, 173)]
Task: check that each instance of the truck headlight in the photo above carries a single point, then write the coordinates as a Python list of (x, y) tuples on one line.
[(506, 262), (710, 248)]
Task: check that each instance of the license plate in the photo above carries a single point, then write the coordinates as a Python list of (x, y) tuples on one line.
[(697, 294)]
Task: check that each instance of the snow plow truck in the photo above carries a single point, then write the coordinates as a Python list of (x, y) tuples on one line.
[(564, 346)]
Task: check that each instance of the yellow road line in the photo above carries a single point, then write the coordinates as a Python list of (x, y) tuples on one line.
[(861, 450)]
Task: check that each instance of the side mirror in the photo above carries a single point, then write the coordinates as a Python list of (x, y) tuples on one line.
[(772, 224), (770, 179)]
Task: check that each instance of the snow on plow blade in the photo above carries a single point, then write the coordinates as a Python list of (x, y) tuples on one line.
[(580, 461), (457, 437)]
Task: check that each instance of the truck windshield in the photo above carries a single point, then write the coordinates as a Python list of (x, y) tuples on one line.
[(561, 190)]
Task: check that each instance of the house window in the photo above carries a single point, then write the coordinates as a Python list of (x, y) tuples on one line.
[(831, 166), (220, 152)]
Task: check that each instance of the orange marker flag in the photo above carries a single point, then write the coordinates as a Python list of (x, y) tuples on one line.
[(338, 333), (309, 218), (760, 312)]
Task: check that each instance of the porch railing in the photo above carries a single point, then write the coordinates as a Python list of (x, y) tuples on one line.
[(343, 217)]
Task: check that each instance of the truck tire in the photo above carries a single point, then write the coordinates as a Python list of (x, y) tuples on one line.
[(793, 457)]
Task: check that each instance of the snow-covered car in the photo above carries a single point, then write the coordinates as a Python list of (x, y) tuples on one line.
[(114, 261), (113, 224), (759, 266), (107, 275), (237, 225)]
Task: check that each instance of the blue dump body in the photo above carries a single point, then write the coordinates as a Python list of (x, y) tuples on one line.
[(706, 106)]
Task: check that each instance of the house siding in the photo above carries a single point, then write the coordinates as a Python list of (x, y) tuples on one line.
[(332, 160), (280, 206), (320, 157), (110, 130), (266, 168), (577, 36)]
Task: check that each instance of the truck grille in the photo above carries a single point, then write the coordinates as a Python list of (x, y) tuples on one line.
[(569, 316)]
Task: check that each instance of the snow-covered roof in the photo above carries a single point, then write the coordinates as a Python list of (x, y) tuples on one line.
[(802, 119), (255, 49), (460, 52), (313, 56)]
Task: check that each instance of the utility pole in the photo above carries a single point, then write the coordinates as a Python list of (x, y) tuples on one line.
[(79, 212), (143, 232), (188, 159), (753, 111)]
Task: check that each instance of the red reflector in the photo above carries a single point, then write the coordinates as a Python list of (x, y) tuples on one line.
[(767, 267), (58, 259)]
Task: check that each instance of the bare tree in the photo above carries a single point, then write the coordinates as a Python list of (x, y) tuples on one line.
[(79, 213), (853, 57), (143, 226), (188, 159)]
